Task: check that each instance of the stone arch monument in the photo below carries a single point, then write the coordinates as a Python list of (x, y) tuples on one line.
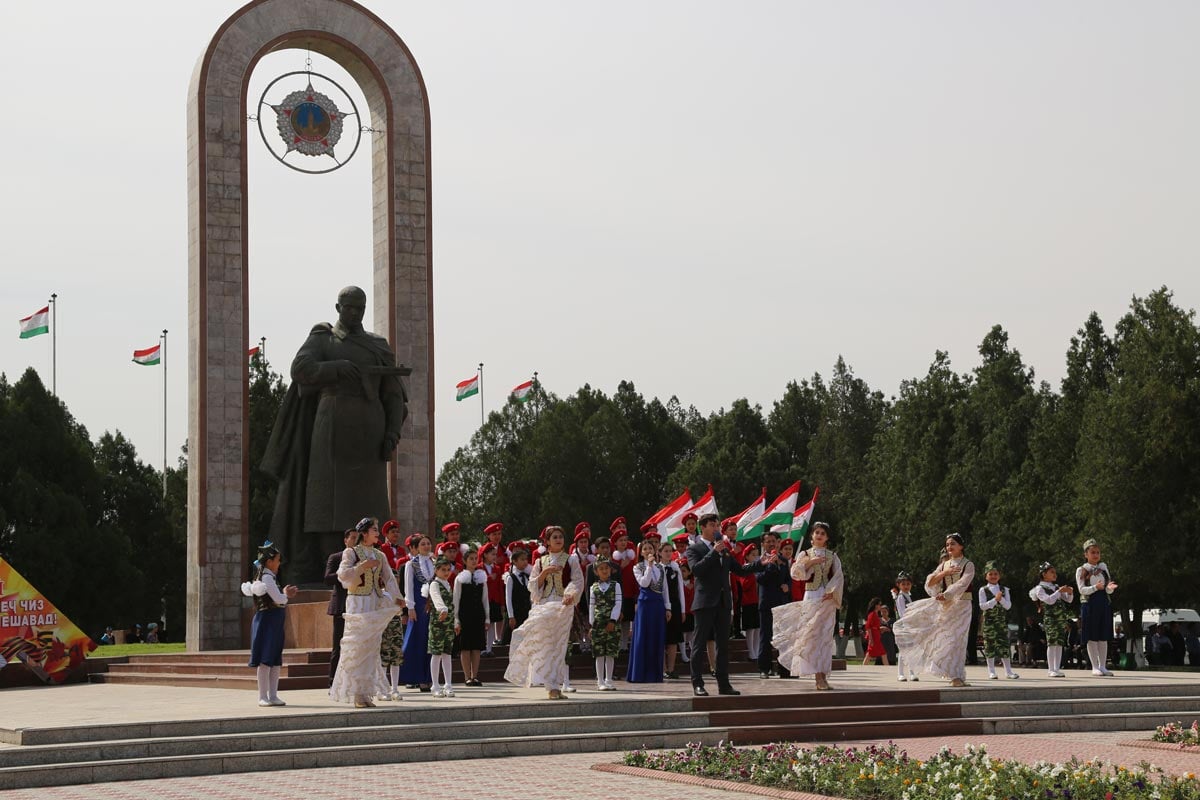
[(218, 302)]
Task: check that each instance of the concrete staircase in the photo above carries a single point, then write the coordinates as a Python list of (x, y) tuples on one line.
[(460, 730), (309, 669), (95, 754)]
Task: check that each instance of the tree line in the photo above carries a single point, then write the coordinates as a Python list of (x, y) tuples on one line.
[(1025, 471)]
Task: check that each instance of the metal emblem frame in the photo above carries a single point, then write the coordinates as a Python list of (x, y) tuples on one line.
[(324, 123)]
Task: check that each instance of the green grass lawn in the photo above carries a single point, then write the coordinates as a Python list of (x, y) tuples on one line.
[(110, 650)]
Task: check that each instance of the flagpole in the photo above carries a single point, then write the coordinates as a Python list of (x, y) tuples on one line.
[(164, 366), (54, 344), (535, 397), (481, 394), (262, 347)]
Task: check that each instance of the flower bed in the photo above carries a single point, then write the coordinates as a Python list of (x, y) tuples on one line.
[(1175, 733), (887, 773)]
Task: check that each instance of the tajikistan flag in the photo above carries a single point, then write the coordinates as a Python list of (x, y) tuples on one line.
[(467, 388), (802, 519), (778, 513), (522, 393), (148, 357), (667, 518), (751, 513), (36, 323)]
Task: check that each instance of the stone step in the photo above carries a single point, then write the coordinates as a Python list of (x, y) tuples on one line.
[(836, 714), (1181, 705), (357, 736), (338, 755), (811, 699), (246, 681), (284, 719), (845, 731), (288, 670), (226, 657)]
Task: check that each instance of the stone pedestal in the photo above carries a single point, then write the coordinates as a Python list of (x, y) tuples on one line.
[(218, 301)]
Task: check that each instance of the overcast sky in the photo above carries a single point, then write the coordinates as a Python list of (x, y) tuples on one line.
[(709, 199)]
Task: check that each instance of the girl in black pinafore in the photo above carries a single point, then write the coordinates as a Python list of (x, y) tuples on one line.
[(472, 616)]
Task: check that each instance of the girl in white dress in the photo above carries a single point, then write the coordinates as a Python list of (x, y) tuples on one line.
[(902, 595), (932, 634), (804, 629), (372, 599), (538, 653)]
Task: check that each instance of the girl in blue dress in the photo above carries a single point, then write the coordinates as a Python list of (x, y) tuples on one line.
[(417, 573), (1095, 585), (266, 631), (649, 641)]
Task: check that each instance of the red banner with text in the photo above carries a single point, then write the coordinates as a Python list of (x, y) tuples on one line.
[(34, 632)]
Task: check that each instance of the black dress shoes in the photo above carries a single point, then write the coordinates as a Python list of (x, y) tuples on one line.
[(727, 690), (699, 691)]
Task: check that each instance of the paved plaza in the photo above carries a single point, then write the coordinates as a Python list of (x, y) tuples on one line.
[(100, 704)]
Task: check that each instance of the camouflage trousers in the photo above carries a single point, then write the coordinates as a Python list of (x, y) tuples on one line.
[(1055, 620), (441, 633), (995, 633)]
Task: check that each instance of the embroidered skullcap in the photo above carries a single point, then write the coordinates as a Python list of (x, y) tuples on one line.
[(1090, 543)]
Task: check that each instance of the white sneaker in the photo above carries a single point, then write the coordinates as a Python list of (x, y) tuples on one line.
[(448, 693), (383, 696), (601, 687), (275, 701), (1056, 674), (569, 689), (1097, 673), (396, 695), (438, 693), (992, 676), (913, 678), (1011, 675), (264, 703), (1106, 671), (901, 678)]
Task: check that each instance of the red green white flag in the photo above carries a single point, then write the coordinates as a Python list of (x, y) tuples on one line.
[(707, 504), (35, 324), (467, 388), (751, 513), (778, 513), (148, 357), (522, 393), (802, 519), (253, 351), (670, 514)]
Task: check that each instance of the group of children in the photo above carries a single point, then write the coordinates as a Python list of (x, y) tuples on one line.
[(607, 596), (932, 635)]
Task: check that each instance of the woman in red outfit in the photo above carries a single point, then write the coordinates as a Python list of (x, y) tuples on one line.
[(874, 629)]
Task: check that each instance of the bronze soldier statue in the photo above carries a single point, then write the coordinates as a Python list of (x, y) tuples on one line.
[(336, 431)]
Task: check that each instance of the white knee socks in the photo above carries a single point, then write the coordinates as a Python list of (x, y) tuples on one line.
[(489, 638), (394, 677), (991, 662), (440, 665), (264, 683), (1097, 653), (1053, 658), (752, 643), (1007, 662), (273, 684)]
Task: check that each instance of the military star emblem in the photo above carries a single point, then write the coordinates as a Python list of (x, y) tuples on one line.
[(309, 122)]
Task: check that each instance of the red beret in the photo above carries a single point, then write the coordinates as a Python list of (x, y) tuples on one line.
[(450, 527), (680, 537), (391, 524), (532, 546), (689, 515), (411, 541), (446, 547), (651, 536), (725, 523), (619, 522), (582, 527), (495, 527), (647, 527), (485, 548), (514, 544)]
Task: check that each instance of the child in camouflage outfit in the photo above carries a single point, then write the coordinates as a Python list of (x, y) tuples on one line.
[(994, 602), (441, 626), (1056, 615), (604, 614)]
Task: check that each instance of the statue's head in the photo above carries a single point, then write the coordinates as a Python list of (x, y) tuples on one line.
[(351, 306)]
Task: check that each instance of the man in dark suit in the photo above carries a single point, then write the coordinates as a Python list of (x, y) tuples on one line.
[(712, 603), (337, 601), (774, 590)]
